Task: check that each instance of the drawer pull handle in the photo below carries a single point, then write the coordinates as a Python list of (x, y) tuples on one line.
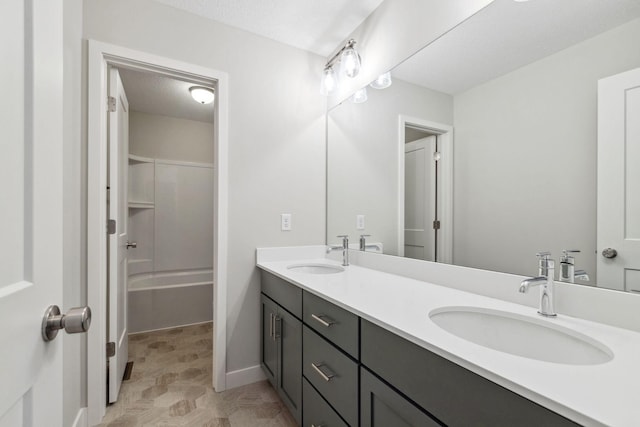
[(319, 318), (326, 377), (276, 322), (271, 325)]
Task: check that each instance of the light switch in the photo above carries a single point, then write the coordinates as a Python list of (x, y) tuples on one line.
[(285, 222), (360, 222)]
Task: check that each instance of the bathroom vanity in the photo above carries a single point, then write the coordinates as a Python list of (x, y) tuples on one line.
[(361, 347)]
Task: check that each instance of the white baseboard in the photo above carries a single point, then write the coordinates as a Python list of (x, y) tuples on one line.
[(81, 419), (245, 376)]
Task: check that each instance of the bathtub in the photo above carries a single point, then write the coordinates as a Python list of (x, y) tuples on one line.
[(169, 299)]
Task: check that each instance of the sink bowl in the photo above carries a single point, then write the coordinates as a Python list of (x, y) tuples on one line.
[(316, 268), (521, 336)]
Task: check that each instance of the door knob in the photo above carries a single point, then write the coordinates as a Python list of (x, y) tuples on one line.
[(132, 245), (76, 320), (609, 253)]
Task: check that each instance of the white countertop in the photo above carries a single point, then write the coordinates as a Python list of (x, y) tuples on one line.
[(607, 394)]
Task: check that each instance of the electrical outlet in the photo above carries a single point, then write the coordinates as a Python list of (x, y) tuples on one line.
[(285, 222), (360, 222)]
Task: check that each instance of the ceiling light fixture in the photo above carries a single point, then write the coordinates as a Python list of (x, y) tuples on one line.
[(350, 62), (201, 94), (360, 96), (382, 82)]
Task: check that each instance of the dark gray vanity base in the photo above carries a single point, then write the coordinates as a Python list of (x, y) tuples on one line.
[(370, 377), (454, 395)]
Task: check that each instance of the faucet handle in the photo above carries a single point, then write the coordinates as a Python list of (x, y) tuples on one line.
[(343, 236), (365, 235), (544, 255), (566, 254)]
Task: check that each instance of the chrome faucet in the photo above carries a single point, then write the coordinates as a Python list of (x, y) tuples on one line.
[(363, 241), (568, 273), (344, 247), (544, 279)]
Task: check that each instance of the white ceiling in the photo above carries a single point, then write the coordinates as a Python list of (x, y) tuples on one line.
[(156, 94), (507, 35), (317, 26)]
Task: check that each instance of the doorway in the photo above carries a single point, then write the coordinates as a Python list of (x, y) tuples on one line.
[(101, 57), (425, 181)]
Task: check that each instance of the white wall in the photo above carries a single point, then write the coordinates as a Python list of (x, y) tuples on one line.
[(74, 289), (363, 147), (163, 137), (389, 35), (276, 138), (525, 157)]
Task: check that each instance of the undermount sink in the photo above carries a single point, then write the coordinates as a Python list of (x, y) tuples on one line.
[(521, 336), (316, 268)]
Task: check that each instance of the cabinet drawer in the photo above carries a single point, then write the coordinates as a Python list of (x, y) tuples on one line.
[(334, 323), (284, 293), (332, 373), (451, 393), (316, 411)]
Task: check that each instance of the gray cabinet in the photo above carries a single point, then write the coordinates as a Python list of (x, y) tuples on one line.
[(281, 339), (382, 406), (449, 392)]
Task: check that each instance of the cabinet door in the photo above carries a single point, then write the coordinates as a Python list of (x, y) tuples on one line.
[(289, 334), (381, 406), (269, 346)]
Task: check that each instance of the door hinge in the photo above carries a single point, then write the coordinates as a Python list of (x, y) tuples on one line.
[(111, 226), (111, 103), (111, 349), (436, 225)]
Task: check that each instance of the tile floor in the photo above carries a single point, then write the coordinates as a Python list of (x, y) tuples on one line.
[(171, 386)]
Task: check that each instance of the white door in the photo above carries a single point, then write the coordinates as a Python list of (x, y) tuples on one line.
[(30, 210), (118, 211), (619, 181), (419, 199)]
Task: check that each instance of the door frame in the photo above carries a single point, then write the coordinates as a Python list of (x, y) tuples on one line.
[(100, 56), (445, 133)]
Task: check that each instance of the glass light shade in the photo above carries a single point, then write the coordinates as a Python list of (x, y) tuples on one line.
[(360, 96), (201, 94), (382, 82), (350, 62), (329, 82)]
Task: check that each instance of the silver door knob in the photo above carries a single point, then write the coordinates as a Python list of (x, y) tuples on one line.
[(132, 245), (76, 320), (609, 253)]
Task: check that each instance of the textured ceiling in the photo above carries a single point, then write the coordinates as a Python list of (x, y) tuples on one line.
[(156, 94), (317, 26), (507, 35)]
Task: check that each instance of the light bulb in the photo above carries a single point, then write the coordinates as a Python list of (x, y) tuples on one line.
[(359, 96), (329, 82), (350, 62), (382, 82), (201, 94)]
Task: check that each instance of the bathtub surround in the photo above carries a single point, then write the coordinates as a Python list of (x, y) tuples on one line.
[(170, 219)]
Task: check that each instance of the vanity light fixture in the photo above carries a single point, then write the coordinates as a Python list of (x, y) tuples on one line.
[(202, 94), (350, 63), (382, 82), (359, 96)]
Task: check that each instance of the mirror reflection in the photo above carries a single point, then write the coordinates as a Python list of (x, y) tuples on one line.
[(486, 147)]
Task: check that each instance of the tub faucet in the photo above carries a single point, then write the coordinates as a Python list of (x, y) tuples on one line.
[(568, 272), (545, 281), (345, 249)]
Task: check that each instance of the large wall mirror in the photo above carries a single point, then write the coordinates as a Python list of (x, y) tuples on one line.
[(484, 150)]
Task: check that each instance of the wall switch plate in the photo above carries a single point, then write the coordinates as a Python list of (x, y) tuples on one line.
[(285, 222), (360, 222)]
